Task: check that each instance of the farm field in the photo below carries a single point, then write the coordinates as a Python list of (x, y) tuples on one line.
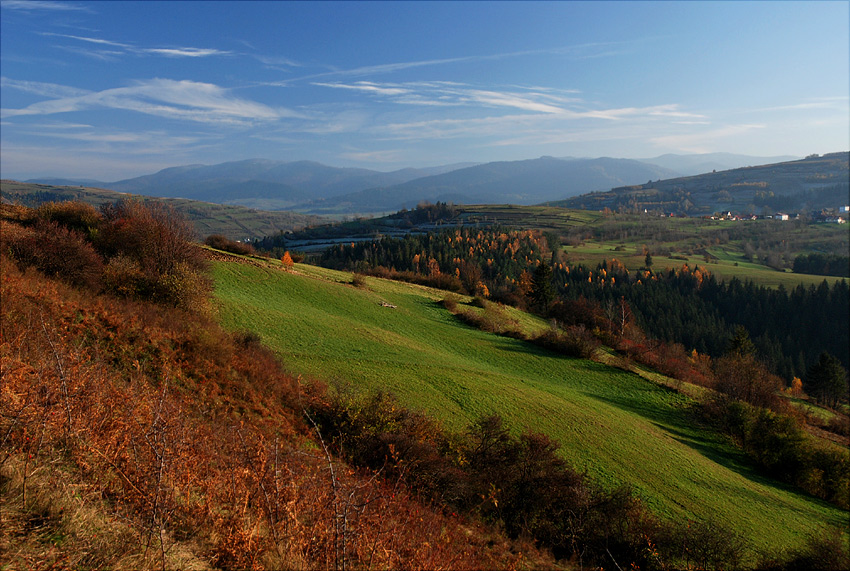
[(614, 425), (725, 264), (717, 245), (728, 249)]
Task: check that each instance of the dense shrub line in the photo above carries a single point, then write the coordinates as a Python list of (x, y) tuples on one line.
[(130, 249), (569, 340), (780, 447), (220, 242), (753, 412), (522, 484)]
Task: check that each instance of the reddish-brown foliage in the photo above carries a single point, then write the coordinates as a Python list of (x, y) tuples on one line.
[(220, 242), (194, 435)]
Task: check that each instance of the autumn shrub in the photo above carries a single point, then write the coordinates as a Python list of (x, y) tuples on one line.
[(825, 550), (479, 301), (488, 472), (743, 377), (450, 302), (779, 446), (493, 319), (155, 235), (508, 296), (123, 276), (701, 545), (220, 242), (73, 215), (358, 280), (55, 251), (582, 311), (573, 341), (839, 424), (18, 214), (154, 252)]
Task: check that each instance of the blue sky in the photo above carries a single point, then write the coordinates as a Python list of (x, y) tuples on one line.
[(110, 90)]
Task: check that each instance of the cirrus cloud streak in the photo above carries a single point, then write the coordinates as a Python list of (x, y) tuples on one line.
[(186, 100)]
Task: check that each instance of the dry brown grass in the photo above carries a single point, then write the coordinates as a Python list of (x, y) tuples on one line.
[(134, 435)]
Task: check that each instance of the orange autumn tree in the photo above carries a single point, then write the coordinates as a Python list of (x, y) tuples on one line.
[(286, 260)]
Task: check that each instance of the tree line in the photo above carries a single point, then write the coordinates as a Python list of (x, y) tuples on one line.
[(790, 328)]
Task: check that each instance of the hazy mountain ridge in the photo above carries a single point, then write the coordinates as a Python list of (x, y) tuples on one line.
[(233, 221), (515, 182), (315, 188)]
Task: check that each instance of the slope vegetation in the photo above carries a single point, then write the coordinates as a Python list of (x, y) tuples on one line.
[(235, 222), (614, 425), (135, 434)]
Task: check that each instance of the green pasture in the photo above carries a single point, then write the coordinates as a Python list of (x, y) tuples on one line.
[(614, 425), (624, 236), (536, 217), (724, 265)]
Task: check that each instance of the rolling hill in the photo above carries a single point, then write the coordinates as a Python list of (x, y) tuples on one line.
[(689, 165), (812, 183), (614, 425), (235, 222)]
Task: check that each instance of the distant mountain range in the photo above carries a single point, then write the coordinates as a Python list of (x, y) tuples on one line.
[(813, 183), (512, 182), (314, 188)]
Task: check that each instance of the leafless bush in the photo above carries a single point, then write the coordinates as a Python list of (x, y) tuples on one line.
[(574, 341), (220, 242)]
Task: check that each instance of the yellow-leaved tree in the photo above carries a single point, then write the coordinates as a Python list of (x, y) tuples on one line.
[(286, 260)]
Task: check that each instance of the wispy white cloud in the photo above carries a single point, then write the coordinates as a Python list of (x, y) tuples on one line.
[(839, 102), (276, 61), (126, 48), (187, 100), (185, 52), (562, 103), (41, 88), (99, 54), (670, 110), (703, 141), (581, 51), (43, 5), (385, 156), (368, 87), (98, 41), (447, 93)]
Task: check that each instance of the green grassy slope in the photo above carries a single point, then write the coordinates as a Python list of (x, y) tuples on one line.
[(615, 425), (726, 263)]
